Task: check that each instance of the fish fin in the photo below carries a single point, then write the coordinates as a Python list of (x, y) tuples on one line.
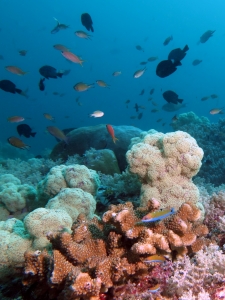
[(56, 20), (59, 74), (180, 100), (24, 93), (177, 63), (115, 139), (33, 134), (221, 112), (186, 48), (92, 29)]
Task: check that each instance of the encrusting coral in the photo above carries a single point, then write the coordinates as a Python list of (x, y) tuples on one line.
[(99, 256), (165, 164)]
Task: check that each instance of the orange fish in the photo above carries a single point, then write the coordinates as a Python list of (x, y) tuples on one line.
[(49, 117), (155, 258), (72, 57), (59, 134), (15, 119), (111, 132), (15, 142), (15, 70)]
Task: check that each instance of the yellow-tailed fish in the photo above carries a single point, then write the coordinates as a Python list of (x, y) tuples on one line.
[(158, 215), (15, 70), (216, 111), (102, 83), (139, 73), (59, 134), (155, 258), (82, 87)]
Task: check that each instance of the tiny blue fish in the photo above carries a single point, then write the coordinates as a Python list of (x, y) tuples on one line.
[(158, 215)]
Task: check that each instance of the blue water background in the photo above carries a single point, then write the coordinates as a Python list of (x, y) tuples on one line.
[(119, 26)]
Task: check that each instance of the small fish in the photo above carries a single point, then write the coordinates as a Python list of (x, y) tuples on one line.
[(15, 70), (56, 132), (15, 119), (41, 84), (142, 92), (142, 107), (87, 22), (150, 99), (143, 63), (127, 101), (205, 98), (61, 95), (166, 68), (140, 115), (154, 103), (214, 96), (139, 48), (196, 62), (49, 117), (158, 215), (116, 73), (61, 47), (102, 84), (1, 57), (154, 289), (155, 258), (139, 73), (111, 132), (55, 93), (167, 40), (133, 117), (81, 87), (204, 38), (159, 120), (58, 27), (216, 111), (25, 130), (97, 114), (79, 103), (83, 35), (163, 124), (174, 118), (18, 143), (154, 110), (72, 57), (22, 52), (152, 58), (136, 107), (152, 91)]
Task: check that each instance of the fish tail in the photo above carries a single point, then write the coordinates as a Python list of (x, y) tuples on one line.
[(180, 100), (24, 93), (115, 139), (33, 134), (26, 147)]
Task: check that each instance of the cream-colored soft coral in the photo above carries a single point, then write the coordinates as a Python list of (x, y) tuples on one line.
[(166, 164)]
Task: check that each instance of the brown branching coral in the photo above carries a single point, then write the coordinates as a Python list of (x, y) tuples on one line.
[(99, 255)]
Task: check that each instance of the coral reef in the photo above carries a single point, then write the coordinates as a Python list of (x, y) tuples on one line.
[(15, 198), (99, 257), (14, 241), (165, 164), (211, 138), (97, 137), (72, 176)]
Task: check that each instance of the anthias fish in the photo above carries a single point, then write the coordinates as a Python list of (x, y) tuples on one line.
[(158, 215), (59, 134), (111, 132)]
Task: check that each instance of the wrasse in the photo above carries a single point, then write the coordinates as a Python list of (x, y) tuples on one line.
[(154, 289), (155, 258), (158, 215)]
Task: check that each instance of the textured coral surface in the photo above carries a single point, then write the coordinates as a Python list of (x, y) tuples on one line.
[(101, 256)]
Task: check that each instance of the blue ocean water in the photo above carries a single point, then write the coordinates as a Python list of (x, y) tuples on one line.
[(118, 27)]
